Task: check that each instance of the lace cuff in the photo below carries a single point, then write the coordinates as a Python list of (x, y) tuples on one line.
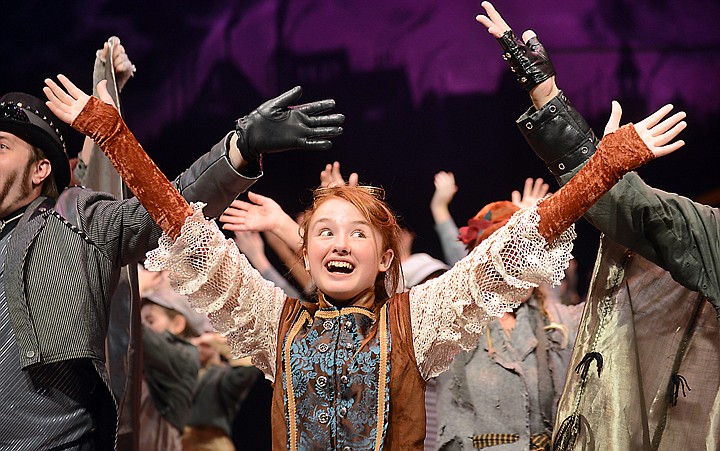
[(448, 313), (220, 282)]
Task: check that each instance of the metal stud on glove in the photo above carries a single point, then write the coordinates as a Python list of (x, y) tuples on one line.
[(528, 61)]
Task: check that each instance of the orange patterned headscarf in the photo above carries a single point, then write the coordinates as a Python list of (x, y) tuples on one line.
[(488, 220)]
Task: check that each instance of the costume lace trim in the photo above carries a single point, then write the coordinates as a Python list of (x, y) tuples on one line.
[(220, 282), (448, 313)]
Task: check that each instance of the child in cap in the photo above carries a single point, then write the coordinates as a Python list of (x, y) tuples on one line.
[(171, 366)]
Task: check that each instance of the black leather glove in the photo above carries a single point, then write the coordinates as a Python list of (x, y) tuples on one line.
[(529, 61), (275, 126)]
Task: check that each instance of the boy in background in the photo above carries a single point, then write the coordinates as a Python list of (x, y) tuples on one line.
[(171, 366)]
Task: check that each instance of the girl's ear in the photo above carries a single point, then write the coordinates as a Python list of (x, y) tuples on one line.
[(385, 260), (305, 259)]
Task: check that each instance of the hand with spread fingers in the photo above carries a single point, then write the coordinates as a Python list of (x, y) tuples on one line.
[(656, 131), (67, 103), (261, 214), (276, 126), (533, 190)]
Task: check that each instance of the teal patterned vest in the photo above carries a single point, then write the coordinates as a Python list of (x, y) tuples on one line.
[(336, 377)]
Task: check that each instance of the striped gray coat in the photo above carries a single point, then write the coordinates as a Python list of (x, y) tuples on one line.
[(64, 260)]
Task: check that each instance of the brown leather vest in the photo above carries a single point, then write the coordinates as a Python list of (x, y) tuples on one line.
[(406, 422)]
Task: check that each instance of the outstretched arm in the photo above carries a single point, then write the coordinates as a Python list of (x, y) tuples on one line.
[(670, 230), (275, 126), (449, 312), (659, 226), (531, 64), (100, 121), (620, 151)]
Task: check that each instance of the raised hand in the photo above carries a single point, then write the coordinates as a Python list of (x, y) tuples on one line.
[(534, 189), (122, 66), (331, 176), (655, 130), (275, 126), (68, 105), (261, 214), (445, 189), (527, 57)]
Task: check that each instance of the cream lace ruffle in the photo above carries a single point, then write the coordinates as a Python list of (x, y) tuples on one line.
[(448, 313), (220, 282)]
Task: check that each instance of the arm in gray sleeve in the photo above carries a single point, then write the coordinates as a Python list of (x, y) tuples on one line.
[(281, 282), (214, 180), (670, 230), (453, 249)]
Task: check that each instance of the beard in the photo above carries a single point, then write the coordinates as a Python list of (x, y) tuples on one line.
[(22, 189)]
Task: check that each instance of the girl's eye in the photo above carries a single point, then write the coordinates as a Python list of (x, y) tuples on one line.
[(3, 146), (325, 232), (358, 234)]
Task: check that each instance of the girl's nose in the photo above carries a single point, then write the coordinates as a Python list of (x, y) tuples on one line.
[(340, 246)]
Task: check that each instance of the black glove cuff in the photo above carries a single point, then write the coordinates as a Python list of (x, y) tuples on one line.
[(253, 169), (559, 135), (243, 145), (529, 62)]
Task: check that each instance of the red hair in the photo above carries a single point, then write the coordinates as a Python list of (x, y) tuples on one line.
[(379, 216), (490, 218)]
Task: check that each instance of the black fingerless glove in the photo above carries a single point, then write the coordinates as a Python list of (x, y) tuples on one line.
[(529, 61)]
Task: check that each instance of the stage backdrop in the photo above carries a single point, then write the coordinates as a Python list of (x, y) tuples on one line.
[(422, 84)]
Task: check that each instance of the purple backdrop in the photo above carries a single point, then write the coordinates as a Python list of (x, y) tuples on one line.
[(421, 83)]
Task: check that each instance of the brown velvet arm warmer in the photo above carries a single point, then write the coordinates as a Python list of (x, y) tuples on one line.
[(619, 152), (103, 124)]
